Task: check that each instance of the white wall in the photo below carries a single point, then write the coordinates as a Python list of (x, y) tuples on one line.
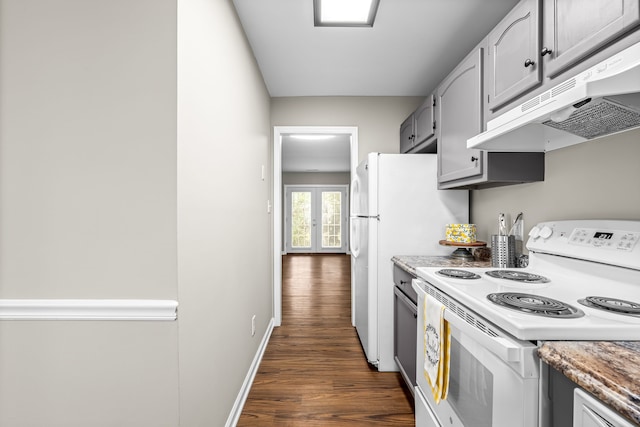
[(378, 118), (224, 249), (88, 207), (596, 179), (132, 139), (316, 178)]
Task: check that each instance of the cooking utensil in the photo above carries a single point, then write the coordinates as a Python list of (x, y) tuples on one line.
[(502, 225), (515, 224)]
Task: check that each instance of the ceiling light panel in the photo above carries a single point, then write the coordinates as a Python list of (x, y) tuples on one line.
[(313, 137), (345, 13)]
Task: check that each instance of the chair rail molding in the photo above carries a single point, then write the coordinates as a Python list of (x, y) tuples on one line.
[(88, 309)]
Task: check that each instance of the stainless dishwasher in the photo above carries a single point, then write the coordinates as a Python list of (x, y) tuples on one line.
[(405, 326)]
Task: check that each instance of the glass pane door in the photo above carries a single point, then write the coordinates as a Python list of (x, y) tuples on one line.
[(316, 219), (301, 221), (331, 219)]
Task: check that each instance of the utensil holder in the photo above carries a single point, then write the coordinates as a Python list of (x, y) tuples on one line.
[(503, 251)]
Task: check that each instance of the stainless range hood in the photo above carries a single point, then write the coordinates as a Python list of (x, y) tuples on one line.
[(603, 100)]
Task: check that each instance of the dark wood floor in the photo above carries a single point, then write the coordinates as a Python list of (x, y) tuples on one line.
[(314, 372)]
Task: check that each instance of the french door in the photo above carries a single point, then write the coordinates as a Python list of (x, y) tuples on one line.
[(316, 218)]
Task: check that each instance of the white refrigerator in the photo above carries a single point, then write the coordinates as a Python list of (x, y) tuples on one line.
[(396, 209)]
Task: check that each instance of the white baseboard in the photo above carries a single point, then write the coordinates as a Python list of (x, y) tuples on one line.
[(87, 309), (234, 416)]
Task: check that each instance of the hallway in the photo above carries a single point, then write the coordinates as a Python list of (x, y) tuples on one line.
[(314, 373)]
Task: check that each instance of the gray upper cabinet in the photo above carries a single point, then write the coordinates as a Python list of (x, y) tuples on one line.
[(417, 132), (573, 29), (536, 46), (512, 58), (574, 35), (406, 134), (425, 122), (459, 117)]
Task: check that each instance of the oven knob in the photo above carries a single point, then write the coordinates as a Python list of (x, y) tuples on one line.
[(546, 232), (535, 232)]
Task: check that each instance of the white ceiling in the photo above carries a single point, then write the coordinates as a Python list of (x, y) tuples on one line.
[(411, 47)]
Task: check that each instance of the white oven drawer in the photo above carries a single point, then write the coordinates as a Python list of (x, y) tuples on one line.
[(424, 416)]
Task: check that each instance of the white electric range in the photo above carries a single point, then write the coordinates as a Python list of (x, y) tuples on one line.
[(582, 283)]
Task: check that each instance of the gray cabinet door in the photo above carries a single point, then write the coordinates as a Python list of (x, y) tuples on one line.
[(406, 134), (424, 121), (512, 65), (575, 28), (459, 117)]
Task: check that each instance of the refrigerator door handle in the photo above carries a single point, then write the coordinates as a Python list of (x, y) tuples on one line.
[(355, 188), (367, 216), (354, 238)]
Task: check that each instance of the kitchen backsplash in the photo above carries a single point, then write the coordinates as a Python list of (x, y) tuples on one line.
[(597, 179)]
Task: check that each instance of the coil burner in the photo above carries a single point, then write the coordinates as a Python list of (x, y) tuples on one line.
[(457, 274), (535, 304), (518, 276), (612, 305)]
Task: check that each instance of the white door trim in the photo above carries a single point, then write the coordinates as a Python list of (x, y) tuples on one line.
[(278, 131)]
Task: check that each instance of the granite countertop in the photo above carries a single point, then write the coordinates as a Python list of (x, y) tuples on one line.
[(409, 263), (608, 370)]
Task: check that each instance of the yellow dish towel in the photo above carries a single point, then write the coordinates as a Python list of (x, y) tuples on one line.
[(437, 346)]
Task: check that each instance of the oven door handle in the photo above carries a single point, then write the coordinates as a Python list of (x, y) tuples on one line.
[(500, 346)]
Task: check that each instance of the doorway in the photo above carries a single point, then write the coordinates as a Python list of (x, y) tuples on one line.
[(278, 197), (315, 219)]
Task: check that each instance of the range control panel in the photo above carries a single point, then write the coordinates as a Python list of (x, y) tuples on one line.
[(614, 242), (606, 239)]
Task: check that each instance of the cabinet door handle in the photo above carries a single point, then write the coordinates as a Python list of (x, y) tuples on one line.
[(528, 63), (545, 51), (474, 159)]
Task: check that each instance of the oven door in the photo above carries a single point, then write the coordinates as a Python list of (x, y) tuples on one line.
[(493, 378)]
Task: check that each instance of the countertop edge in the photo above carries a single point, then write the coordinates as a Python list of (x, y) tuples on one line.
[(410, 263)]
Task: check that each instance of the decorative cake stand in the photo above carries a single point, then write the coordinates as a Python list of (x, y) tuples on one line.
[(463, 249)]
